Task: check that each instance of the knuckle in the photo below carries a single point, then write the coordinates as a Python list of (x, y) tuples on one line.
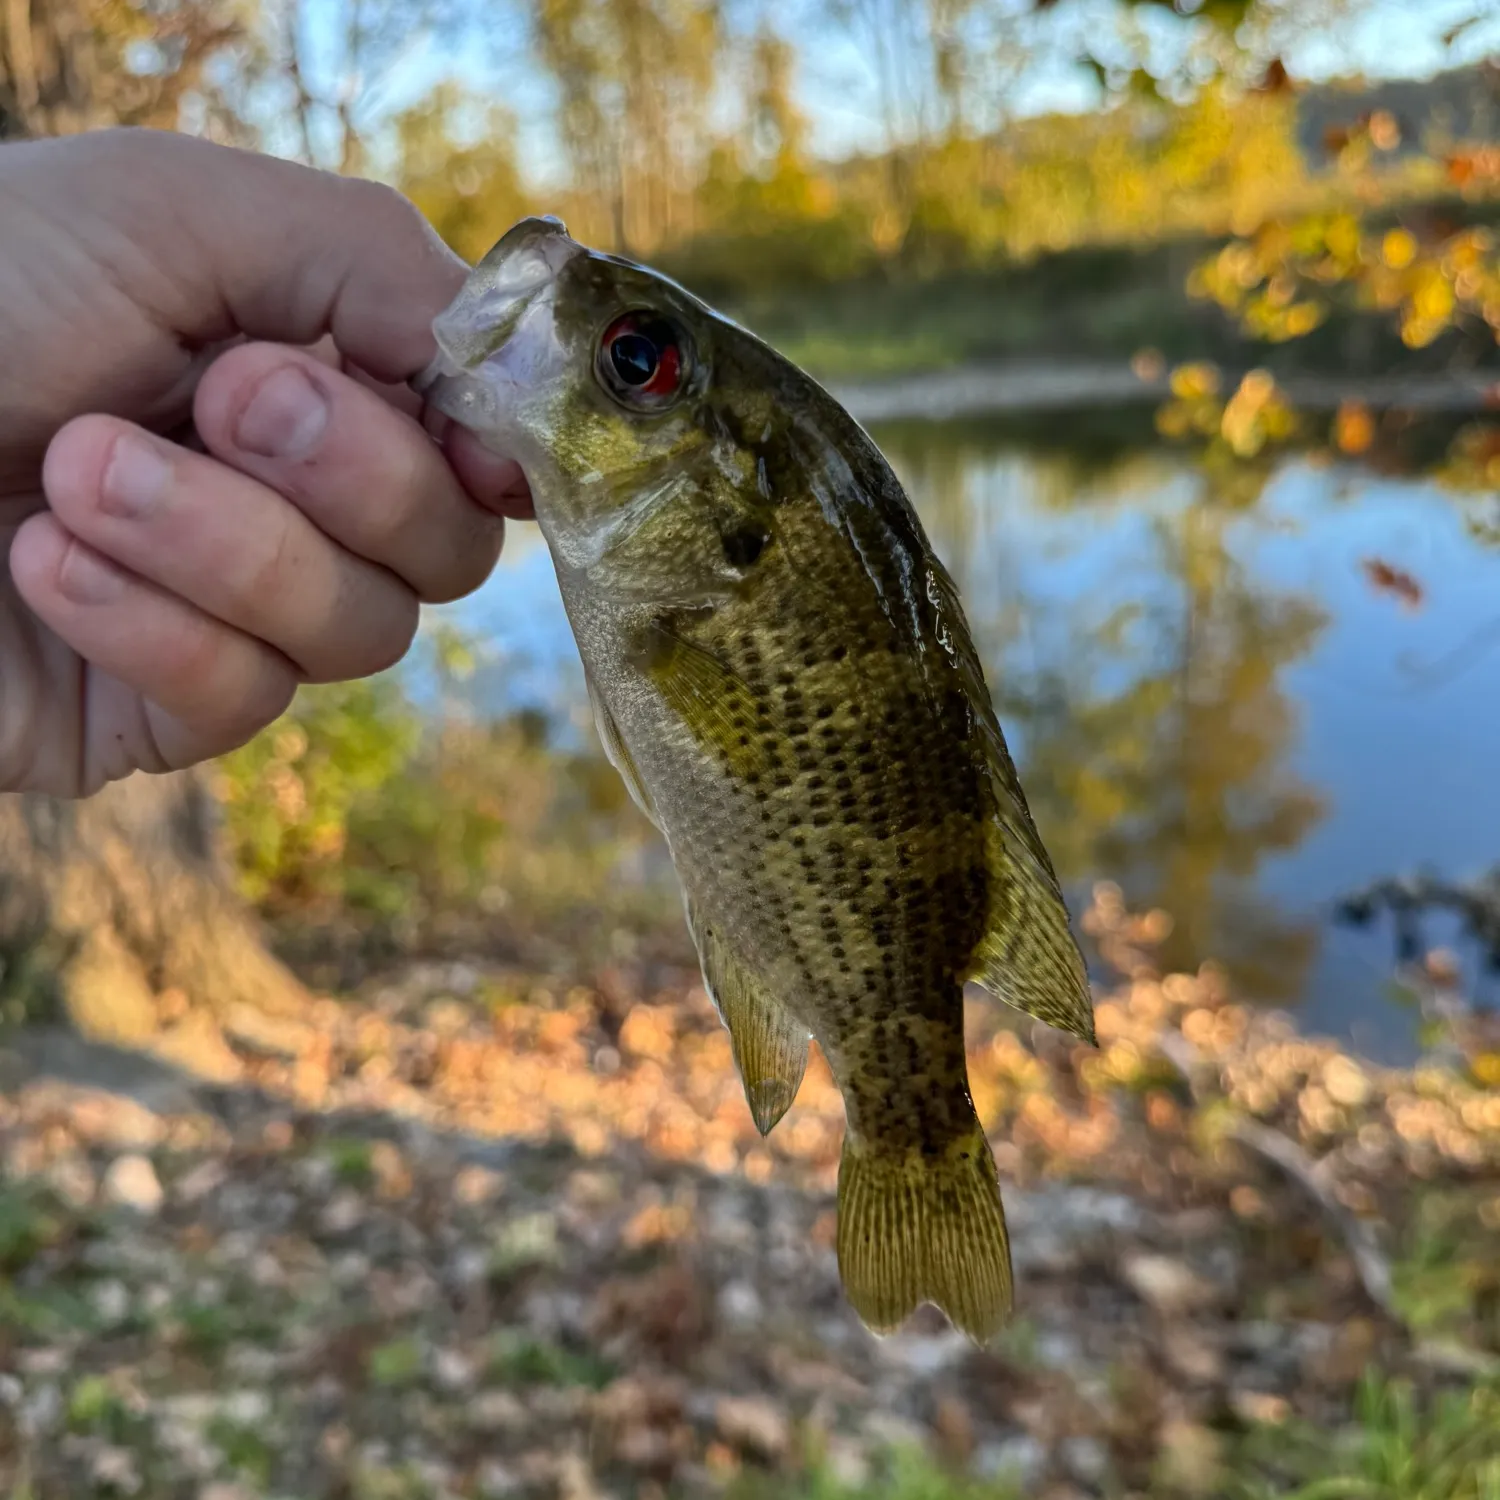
[(394, 639), (389, 207), (264, 575), (385, 629), (195, 659), (474, 557)]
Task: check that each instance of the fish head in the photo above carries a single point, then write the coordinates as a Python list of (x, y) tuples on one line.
[(594, 373)]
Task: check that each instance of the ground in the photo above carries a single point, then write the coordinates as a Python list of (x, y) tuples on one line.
[(464, 1234)]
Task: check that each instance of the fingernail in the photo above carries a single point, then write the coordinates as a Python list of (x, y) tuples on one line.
[(86, 578), (285, 418), (135, 478)]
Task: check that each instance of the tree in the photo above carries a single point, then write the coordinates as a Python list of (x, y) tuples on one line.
[(119, 907), (71, 65), (471, 193), (634, 78)]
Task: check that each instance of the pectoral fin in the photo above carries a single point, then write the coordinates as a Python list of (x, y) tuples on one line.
[(770, 1048), (716, 705)]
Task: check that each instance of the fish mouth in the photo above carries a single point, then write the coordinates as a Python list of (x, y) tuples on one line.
[(497, 336)]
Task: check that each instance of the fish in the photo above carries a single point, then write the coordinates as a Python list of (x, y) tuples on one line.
[(780, 670)]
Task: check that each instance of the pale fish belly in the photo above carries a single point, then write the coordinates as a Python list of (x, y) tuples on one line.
[(725, 861)]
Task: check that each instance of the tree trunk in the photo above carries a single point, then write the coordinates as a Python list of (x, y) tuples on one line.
[(117, 910)]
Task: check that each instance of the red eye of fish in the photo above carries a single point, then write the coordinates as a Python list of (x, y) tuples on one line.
[(642, 360)]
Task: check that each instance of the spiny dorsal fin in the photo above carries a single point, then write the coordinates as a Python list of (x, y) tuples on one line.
[(914, 1229), (1028, 956), (770, 1048)]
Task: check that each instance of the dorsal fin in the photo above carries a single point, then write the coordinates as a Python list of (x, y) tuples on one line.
[(1028, 955)]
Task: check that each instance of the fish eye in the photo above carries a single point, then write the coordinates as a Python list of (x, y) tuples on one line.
[(643, 360)]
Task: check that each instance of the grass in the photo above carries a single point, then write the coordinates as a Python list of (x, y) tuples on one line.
[(518, 1360), (909, 1475), (1399, 1448)]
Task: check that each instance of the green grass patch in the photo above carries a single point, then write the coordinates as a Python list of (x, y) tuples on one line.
[(1402, 1446), (518, 1360), (906, 1475), (396, 1365)]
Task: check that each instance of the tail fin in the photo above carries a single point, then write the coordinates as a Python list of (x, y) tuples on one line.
[(916, 1229)]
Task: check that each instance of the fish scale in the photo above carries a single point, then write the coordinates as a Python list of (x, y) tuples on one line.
[(781, 671)]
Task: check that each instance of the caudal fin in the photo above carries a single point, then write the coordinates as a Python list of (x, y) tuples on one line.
[(916, 1229)]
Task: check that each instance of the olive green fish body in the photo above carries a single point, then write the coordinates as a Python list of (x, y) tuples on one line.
[(782, 673)]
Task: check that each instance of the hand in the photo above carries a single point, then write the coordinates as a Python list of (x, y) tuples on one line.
[(164, 598)]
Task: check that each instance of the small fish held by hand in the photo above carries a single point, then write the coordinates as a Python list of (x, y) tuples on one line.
[(781, 672)]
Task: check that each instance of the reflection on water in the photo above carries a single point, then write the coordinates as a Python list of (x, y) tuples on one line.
[(1212, 699)]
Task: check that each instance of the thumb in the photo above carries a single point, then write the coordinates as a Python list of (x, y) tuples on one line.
[(225, 242)]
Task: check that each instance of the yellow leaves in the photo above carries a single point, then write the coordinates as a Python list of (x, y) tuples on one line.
[(1277, 282), (1191, 381), (1430, 305), (1398, 249), (1195, 406), (1255, 415)]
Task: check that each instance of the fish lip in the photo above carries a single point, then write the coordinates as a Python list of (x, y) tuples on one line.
[(518, 273), (504, 296)]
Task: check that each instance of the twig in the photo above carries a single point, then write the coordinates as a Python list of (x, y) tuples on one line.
[(1371, 1264)]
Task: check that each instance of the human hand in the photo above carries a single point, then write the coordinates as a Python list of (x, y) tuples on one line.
[(164, 598)]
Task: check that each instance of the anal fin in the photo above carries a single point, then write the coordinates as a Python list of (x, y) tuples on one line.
[(770, 1047), (615, 748)]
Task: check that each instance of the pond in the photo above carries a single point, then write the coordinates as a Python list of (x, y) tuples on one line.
[(1241, 693)]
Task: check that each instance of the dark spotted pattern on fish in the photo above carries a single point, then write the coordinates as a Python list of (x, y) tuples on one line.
[(782, 673)]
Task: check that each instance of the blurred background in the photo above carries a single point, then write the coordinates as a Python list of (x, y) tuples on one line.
[(366, 1131)]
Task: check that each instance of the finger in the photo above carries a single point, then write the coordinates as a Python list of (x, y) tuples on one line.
[(228, 545), (261, 246), (208, 687), (494, 481), (364, 474)]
